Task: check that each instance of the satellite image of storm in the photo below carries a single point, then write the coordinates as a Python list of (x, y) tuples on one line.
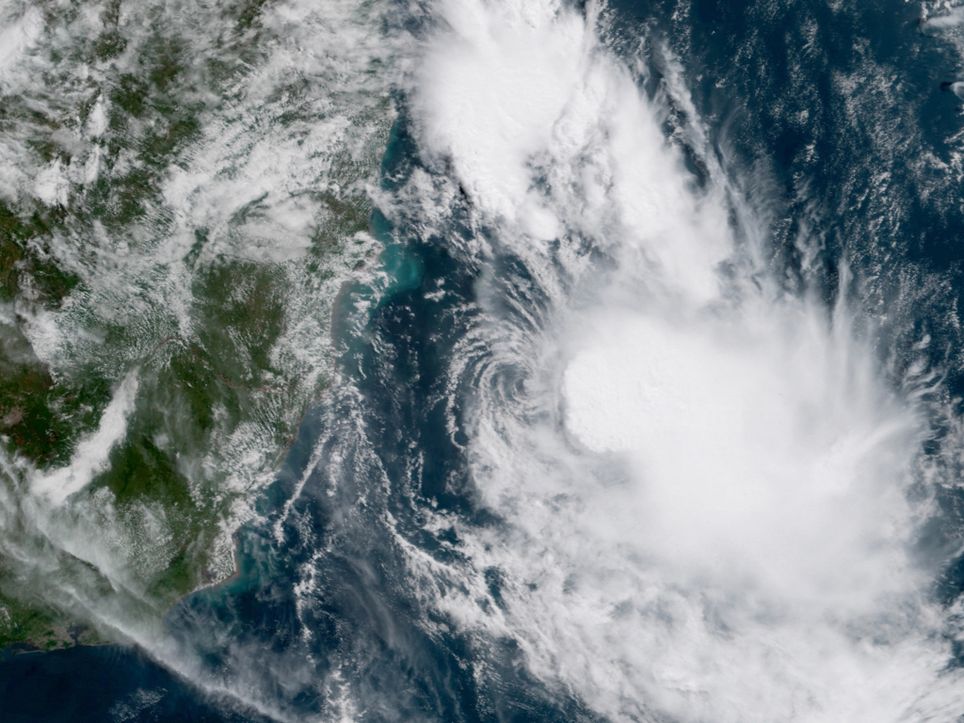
[(550, 361)]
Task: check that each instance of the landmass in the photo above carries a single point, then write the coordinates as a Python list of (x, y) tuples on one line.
[(135, 244)]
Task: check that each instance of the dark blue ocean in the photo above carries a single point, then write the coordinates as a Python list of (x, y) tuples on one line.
[(836, 106)]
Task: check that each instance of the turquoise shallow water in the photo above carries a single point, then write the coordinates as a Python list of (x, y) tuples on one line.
[(331, 595)]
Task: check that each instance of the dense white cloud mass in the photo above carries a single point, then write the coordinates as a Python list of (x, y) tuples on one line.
[(706, 481), (705, 493)]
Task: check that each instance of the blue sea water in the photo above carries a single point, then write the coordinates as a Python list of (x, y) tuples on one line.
[(102, 684), (838, 106)]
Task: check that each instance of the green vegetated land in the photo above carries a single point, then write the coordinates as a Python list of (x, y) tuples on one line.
[(196, 388)]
